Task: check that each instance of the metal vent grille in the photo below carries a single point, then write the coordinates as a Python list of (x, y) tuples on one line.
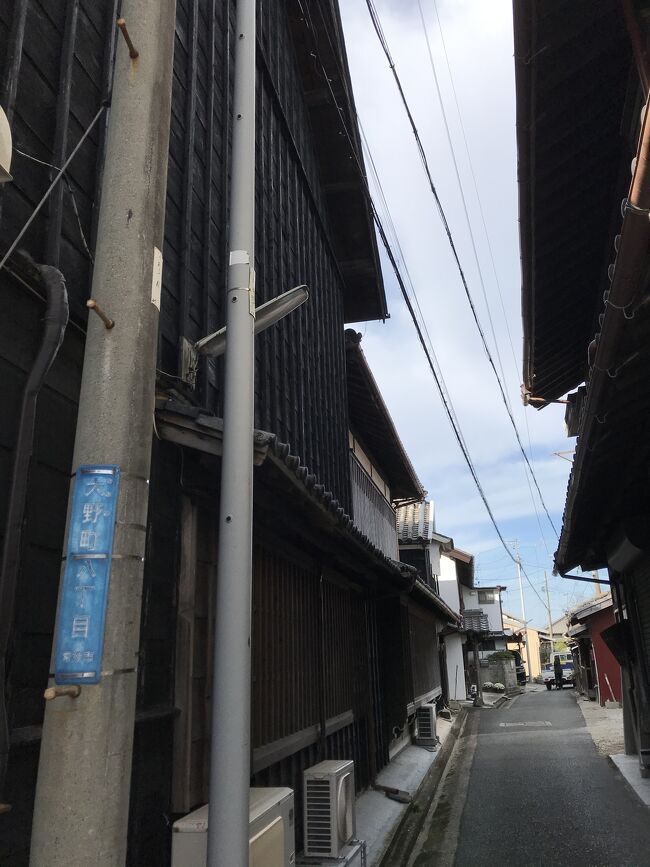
[(319, 817), (426, 723)]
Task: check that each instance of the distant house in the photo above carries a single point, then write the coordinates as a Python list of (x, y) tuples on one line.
[(525, 641), (452, 569), (485, 602), (431, 554), (548, 642), (597, 671)]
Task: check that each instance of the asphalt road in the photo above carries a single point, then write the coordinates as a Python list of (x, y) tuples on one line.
[(534, 795), (539, 794)]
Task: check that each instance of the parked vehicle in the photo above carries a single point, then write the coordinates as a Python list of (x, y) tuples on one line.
[(568, 677)]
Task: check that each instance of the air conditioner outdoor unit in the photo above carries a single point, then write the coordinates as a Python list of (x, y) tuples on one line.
[(425, 721), (271, 832), (329, 821)]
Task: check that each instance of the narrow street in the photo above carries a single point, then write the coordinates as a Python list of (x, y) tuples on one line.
[(527, 786)]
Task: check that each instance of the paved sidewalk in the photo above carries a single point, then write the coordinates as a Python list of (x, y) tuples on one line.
[(491, 698), (378, 816), (629, 768)]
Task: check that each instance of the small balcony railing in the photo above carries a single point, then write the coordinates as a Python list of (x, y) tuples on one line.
[(371, 511)]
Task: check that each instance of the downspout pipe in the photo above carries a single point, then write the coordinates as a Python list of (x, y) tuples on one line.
[(624, 293), (56, 319)]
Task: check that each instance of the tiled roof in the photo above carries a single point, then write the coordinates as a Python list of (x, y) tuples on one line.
[(193, 427), (474, 620), (416, 522)]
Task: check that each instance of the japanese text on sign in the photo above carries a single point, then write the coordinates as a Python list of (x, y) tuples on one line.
[(84, 592)]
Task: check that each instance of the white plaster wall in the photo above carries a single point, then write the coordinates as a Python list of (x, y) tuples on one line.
[(454, 651), (448, 583)]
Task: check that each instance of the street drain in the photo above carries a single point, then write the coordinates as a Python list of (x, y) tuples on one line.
[(510, 725)]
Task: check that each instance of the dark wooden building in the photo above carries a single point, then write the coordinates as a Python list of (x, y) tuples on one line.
[(324, 671), (583, 143)]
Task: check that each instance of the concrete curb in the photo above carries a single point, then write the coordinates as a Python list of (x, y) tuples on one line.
[(501, 701), (408, 828)]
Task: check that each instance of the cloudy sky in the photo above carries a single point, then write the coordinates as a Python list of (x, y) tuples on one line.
[(478, 40)]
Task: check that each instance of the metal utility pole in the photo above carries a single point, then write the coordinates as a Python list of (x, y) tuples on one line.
[(82, 795), (523, 607), (595, 576), (550, 620), (231, 684)]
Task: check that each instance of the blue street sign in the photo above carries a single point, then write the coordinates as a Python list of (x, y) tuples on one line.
[(84, 593)]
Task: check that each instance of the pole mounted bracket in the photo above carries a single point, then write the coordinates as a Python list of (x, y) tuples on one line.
[(189, 362), (52, 692)]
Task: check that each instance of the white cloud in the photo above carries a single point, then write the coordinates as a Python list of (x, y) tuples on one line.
[(478, 37)]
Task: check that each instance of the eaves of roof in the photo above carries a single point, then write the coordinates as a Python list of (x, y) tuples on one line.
[(612, 448), (593, 606), (572, 63), (370, 420), (463, 556), (319, 43), (427, 595), (191, 427)]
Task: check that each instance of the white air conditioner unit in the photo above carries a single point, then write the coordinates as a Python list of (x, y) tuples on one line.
[(328, 798), (270, 830), (425, 722)]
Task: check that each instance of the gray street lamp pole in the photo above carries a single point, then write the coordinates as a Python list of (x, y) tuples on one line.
[(230, 753)]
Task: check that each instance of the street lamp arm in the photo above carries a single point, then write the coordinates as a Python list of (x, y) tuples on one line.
[(266, 314)]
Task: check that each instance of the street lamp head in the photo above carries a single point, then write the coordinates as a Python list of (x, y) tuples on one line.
[(5, 148), (266, 315)]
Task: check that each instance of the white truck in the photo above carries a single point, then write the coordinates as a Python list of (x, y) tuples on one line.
[(548, 671)]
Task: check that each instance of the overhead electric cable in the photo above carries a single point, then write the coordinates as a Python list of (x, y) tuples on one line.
[(53, 184), (475, 185), (388, 220), (447, 405), (485, 230), (382, 39), (462, 193)]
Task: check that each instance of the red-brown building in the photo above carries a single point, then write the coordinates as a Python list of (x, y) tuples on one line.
[(598, 673)]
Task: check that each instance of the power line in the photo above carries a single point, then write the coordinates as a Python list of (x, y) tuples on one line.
[(446, 400), (384, 44), (55, 181), (487, 236), (462, 192), (471, 231)]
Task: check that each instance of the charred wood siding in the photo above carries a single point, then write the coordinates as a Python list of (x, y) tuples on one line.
[(196, 217), (310, 648), (425, 659), (54, 68), (311, 668), (300, 363), (57, 63), (301, 393)]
